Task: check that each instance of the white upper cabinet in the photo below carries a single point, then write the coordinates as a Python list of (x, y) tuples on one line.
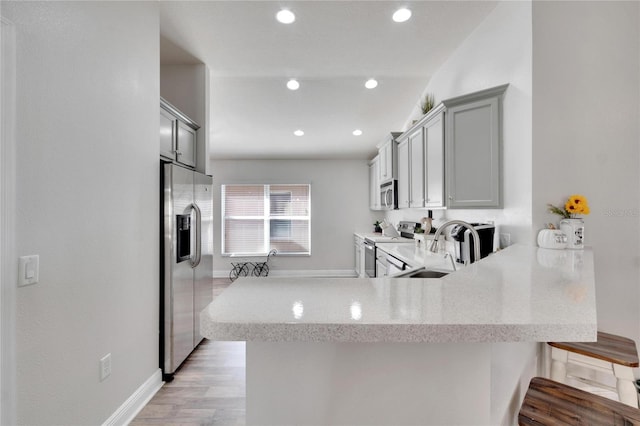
[(403, 173), (186, 145), (416, 168), (473, 149), (178, 140), (387, 154), (434, 161), (374, 185)]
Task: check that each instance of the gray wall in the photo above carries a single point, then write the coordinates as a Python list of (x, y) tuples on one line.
[(340, 206), (497, 52), (87, 201), (586, 87)]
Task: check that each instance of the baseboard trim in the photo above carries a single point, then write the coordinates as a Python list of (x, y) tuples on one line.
[(136, 402), (338, 273)]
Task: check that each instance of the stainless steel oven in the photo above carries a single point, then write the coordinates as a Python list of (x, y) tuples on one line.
[(370, 258), (389, 195)]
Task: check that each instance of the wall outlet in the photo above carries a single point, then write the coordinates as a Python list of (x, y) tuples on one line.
[(105, 367), (505, 240)]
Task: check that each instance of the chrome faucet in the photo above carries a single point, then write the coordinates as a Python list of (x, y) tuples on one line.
[(474, 233)]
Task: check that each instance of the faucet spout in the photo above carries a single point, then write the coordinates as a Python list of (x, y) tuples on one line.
[(474, 234)]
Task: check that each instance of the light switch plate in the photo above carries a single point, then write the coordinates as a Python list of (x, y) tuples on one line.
[(28, 270)]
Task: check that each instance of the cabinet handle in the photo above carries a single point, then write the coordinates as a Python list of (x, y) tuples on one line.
[(178, 152), (450, 197)]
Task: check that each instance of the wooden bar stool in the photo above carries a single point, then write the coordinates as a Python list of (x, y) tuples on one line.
[(610, 354), (548, 402)]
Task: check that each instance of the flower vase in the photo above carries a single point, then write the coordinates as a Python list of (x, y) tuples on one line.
[(574, 230)]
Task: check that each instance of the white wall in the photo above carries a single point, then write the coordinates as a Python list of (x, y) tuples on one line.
[(87, 201), (339, 207), (586, 81), (497, 52)]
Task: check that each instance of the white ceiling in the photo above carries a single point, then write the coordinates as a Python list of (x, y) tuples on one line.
[(332, 48)]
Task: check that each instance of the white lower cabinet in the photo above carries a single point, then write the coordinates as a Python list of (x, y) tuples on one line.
[(381, 263)]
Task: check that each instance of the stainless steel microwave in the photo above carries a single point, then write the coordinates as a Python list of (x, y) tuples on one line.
[(389, 195)]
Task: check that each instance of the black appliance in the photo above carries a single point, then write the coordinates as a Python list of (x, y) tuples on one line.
[(370, 258), (464, 244)]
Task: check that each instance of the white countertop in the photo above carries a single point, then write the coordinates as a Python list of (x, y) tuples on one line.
[(377, 237), (522, 293)]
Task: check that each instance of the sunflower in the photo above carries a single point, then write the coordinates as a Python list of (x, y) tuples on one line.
[(575, 205)]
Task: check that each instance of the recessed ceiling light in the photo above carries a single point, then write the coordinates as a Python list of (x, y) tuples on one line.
[(298, 133), (285, 16), (402, 15), (371, 84), (357, 132), (293, 84)]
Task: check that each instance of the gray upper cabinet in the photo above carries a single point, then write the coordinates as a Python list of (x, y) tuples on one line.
[(403, 173), (416, 168), (168, 123), (473, 150), (388, 158), (451, 157), (178, 135), (433, 131), (374, 185), (186, 145)]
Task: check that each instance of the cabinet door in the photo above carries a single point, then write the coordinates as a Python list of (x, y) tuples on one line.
[(186, 145), (473, 157), (416, 169), (403, 174), (434, 163), (386, 161), (374, 185), (167, 134), (382, 163), (381, 269)]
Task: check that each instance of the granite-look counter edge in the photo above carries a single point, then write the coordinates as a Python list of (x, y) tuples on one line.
[(520, 294)]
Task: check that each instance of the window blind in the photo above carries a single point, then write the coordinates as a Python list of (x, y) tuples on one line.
[(259, 218)]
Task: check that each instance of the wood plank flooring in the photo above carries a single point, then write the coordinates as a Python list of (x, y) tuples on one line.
[(209, 388)]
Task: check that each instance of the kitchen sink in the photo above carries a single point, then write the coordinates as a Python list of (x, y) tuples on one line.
[(427, 273), (420, 273)]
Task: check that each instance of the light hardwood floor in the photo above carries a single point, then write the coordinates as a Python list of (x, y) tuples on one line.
[(209, 388)]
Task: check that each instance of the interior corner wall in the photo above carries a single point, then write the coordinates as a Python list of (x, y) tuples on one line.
[(87, 90), (586, 104), (498, 51), (339, 207), (187, 88)]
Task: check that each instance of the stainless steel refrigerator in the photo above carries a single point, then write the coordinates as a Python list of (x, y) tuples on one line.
[(186, 274)]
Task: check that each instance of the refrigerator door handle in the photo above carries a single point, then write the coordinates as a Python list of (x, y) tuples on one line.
[(195, 260)]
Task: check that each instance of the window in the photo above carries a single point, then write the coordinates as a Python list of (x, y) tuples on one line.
[(258, 218)]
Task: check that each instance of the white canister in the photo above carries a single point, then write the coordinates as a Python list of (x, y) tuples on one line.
[(574, 230)]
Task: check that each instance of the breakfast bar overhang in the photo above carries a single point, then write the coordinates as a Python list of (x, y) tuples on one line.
[(454, 350)]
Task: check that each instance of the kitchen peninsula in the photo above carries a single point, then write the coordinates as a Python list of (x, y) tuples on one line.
[(453, 350)]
